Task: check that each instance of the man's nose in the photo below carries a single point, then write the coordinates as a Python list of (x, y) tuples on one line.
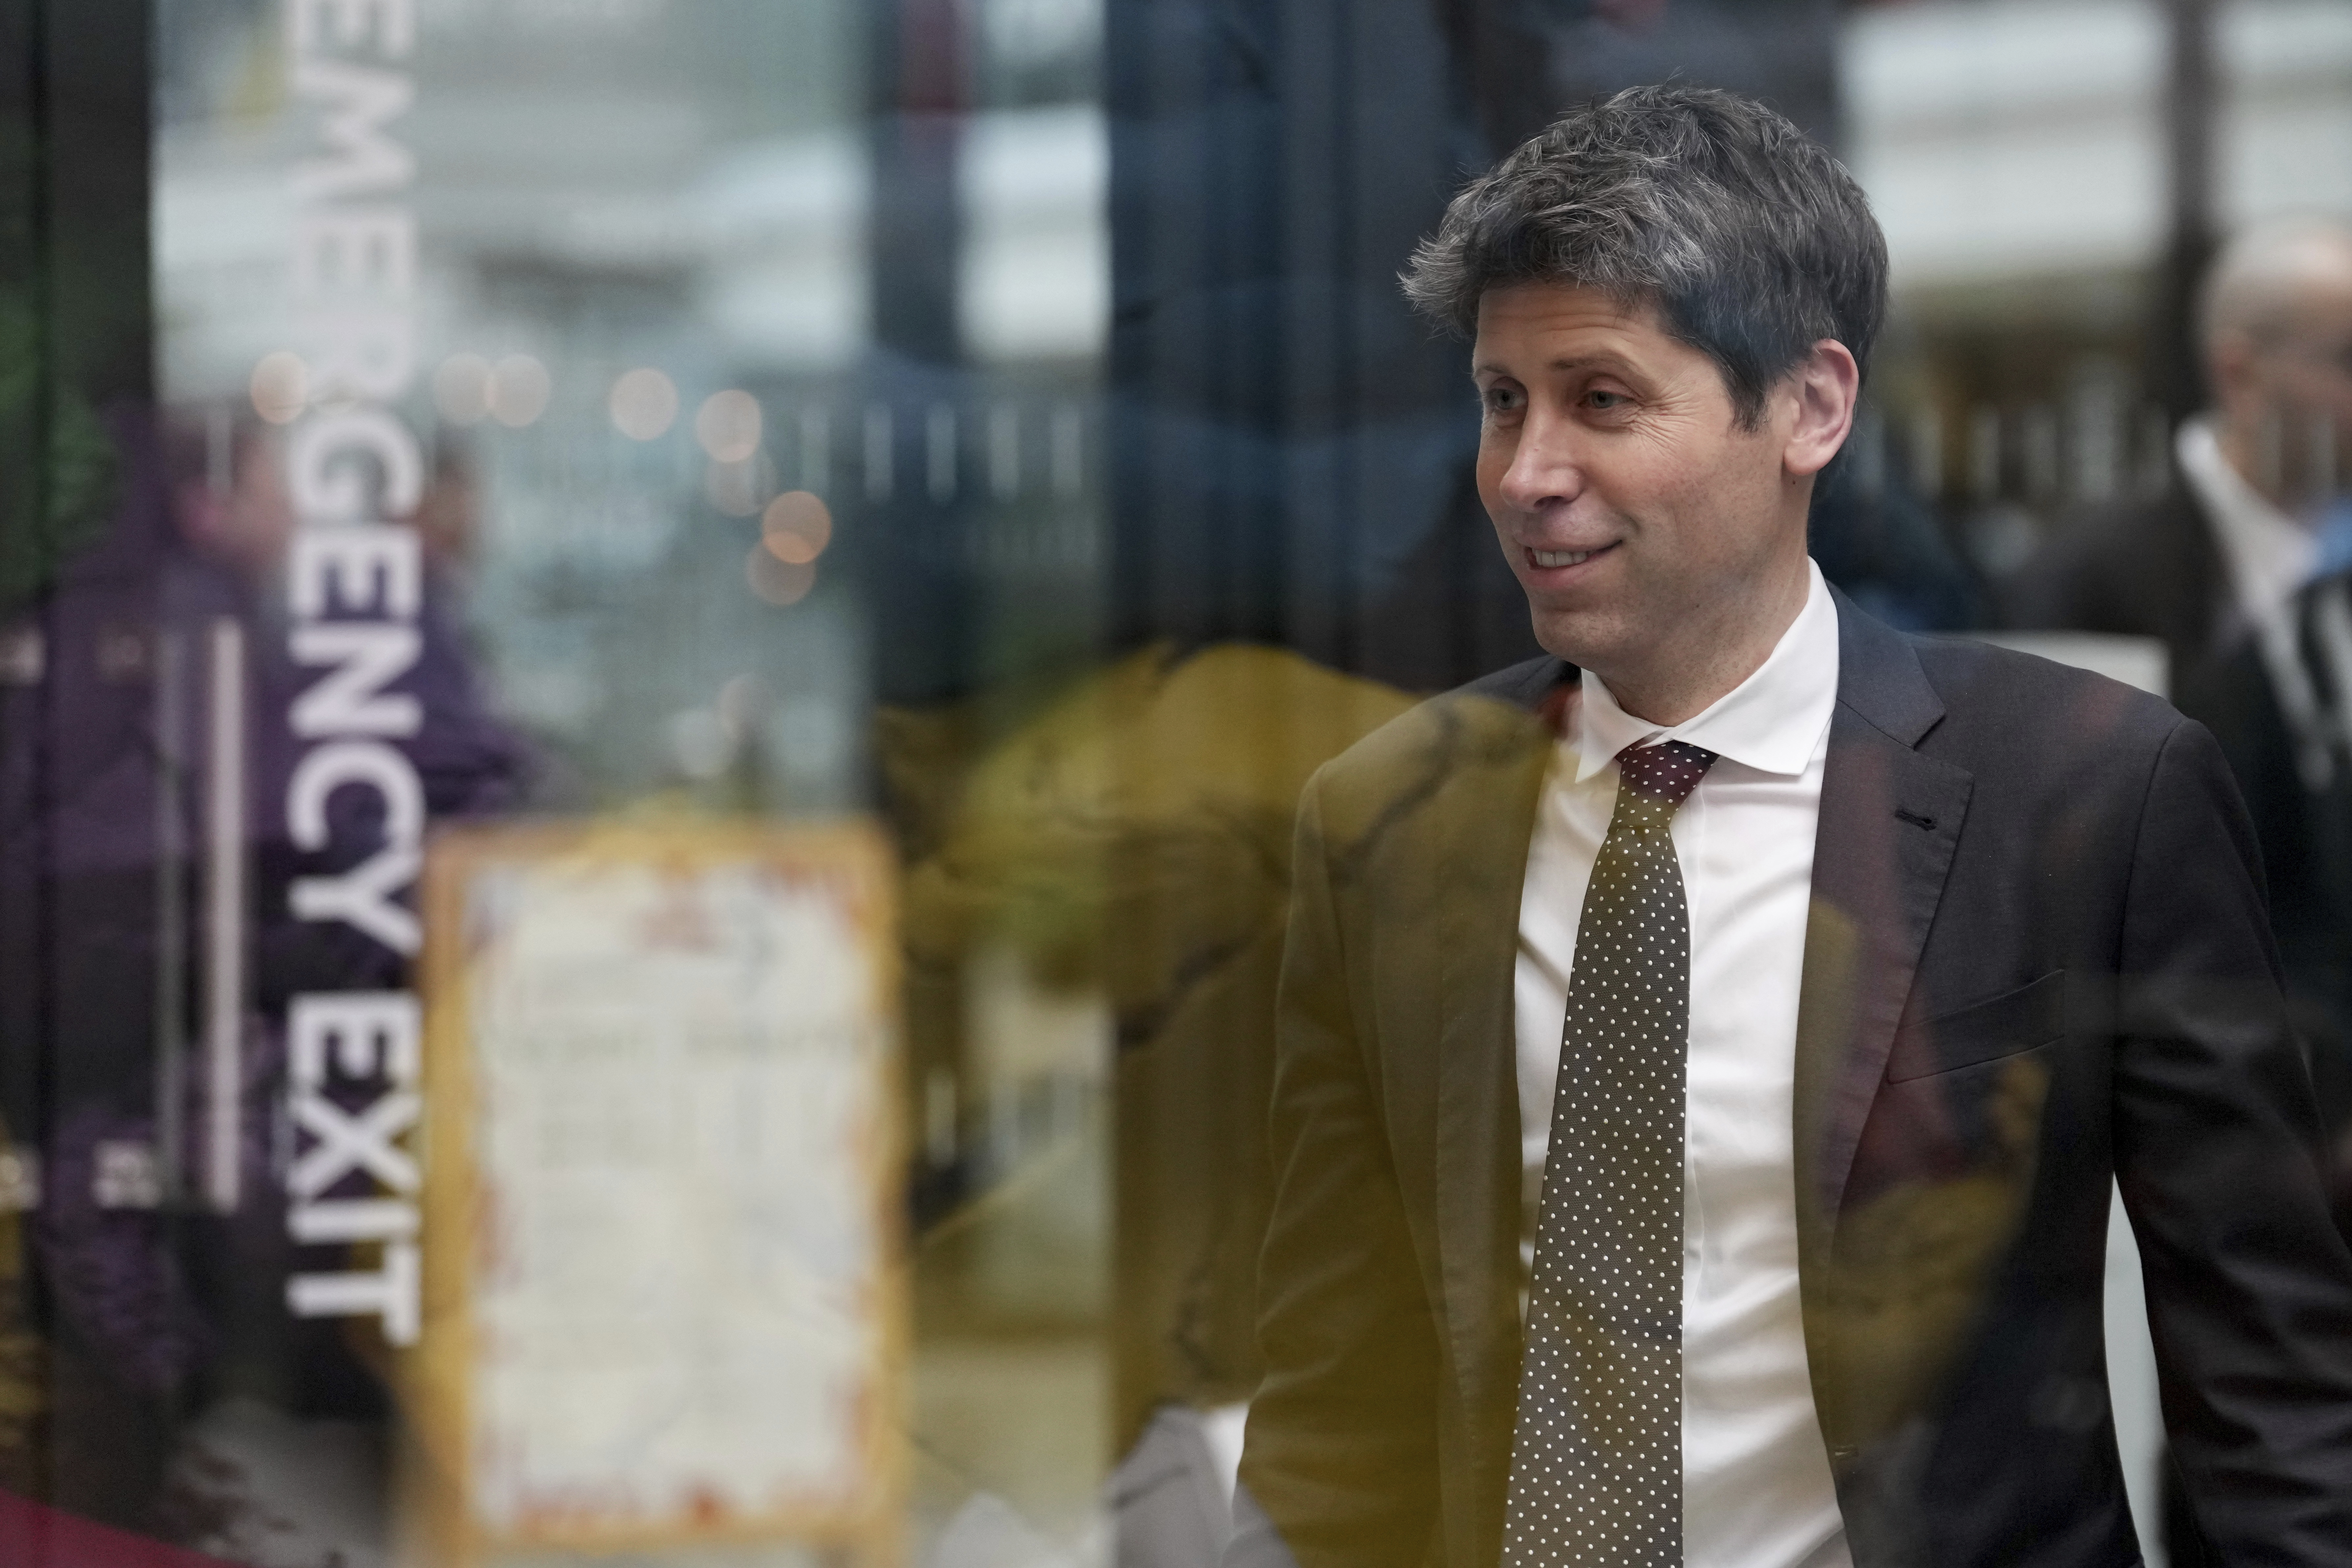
[(1546, 468)]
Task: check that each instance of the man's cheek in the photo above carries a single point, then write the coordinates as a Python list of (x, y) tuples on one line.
[(1495, 450)]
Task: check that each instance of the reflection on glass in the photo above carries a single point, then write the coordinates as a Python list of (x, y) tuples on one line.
[(797, 527), (727, 426), (280, 386), (996, 421), (519, 389), (461, 389), (642, 401)]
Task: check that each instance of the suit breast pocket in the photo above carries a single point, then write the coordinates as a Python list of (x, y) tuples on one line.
[(1986, 1031)]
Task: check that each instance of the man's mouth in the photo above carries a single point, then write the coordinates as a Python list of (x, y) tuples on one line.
[(1566, 557)]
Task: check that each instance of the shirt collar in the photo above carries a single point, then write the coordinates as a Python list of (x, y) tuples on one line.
[(1771, 722), (2269, 554)]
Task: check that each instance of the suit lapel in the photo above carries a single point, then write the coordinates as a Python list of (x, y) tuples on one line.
[(1890, 819), (1483, 842)]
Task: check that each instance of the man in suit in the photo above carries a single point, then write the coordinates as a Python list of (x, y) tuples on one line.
[(2217, 568), (1703, 1054)]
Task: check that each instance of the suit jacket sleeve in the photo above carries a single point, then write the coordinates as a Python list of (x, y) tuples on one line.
[(1341, 1452), (2248, 1284)]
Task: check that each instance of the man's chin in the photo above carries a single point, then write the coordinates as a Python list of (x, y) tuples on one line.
[(1586, 638)]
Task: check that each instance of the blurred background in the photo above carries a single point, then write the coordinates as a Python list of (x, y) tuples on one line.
[(996, 420)]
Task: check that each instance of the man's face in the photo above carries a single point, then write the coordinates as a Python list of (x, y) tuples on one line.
[(2306, 387), (1633, 509), (2286, 391)]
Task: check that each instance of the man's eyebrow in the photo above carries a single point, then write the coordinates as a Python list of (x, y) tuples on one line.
[(1605, 359), (1602, 359)]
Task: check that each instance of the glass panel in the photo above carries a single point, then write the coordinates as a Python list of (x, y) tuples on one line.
[(521, 521)]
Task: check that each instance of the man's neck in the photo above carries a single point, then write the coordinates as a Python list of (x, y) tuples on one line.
[(1676, 690)]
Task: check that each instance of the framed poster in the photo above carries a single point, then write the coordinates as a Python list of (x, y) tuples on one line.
[(664, 1300)]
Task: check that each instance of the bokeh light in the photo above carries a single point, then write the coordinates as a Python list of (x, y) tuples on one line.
[(778, 581), (700, 744), (728, 425), (739, 490), (280, 385), (743, 700), (644, 404), (797, 527), (519, 391), (461, 389)]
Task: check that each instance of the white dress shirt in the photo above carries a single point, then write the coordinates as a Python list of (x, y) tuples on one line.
[(2270, 557), (2268, 554), (1757, 1492)]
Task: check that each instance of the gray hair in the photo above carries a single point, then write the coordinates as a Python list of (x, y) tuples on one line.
[(1751, 242)]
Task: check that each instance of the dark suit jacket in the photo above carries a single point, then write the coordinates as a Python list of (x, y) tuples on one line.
[(2036, 957)]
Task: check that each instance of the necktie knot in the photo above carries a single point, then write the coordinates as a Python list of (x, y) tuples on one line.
[(1665, 773)]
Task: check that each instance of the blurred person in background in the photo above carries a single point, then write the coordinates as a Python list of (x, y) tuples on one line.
[(152, 1376), (1703, 1054), (2225, 569)]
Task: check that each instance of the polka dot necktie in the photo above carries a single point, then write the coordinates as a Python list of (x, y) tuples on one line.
[(1596, 1464)]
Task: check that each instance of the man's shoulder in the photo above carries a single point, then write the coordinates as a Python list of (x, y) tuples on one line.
[(1523, 685), (1487, 728), (2003, 705)]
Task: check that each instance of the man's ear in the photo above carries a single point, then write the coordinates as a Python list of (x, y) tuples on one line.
[(1825, 385)]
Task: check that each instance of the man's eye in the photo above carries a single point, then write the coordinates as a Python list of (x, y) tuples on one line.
[(1501, 399), (1605, 401)]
